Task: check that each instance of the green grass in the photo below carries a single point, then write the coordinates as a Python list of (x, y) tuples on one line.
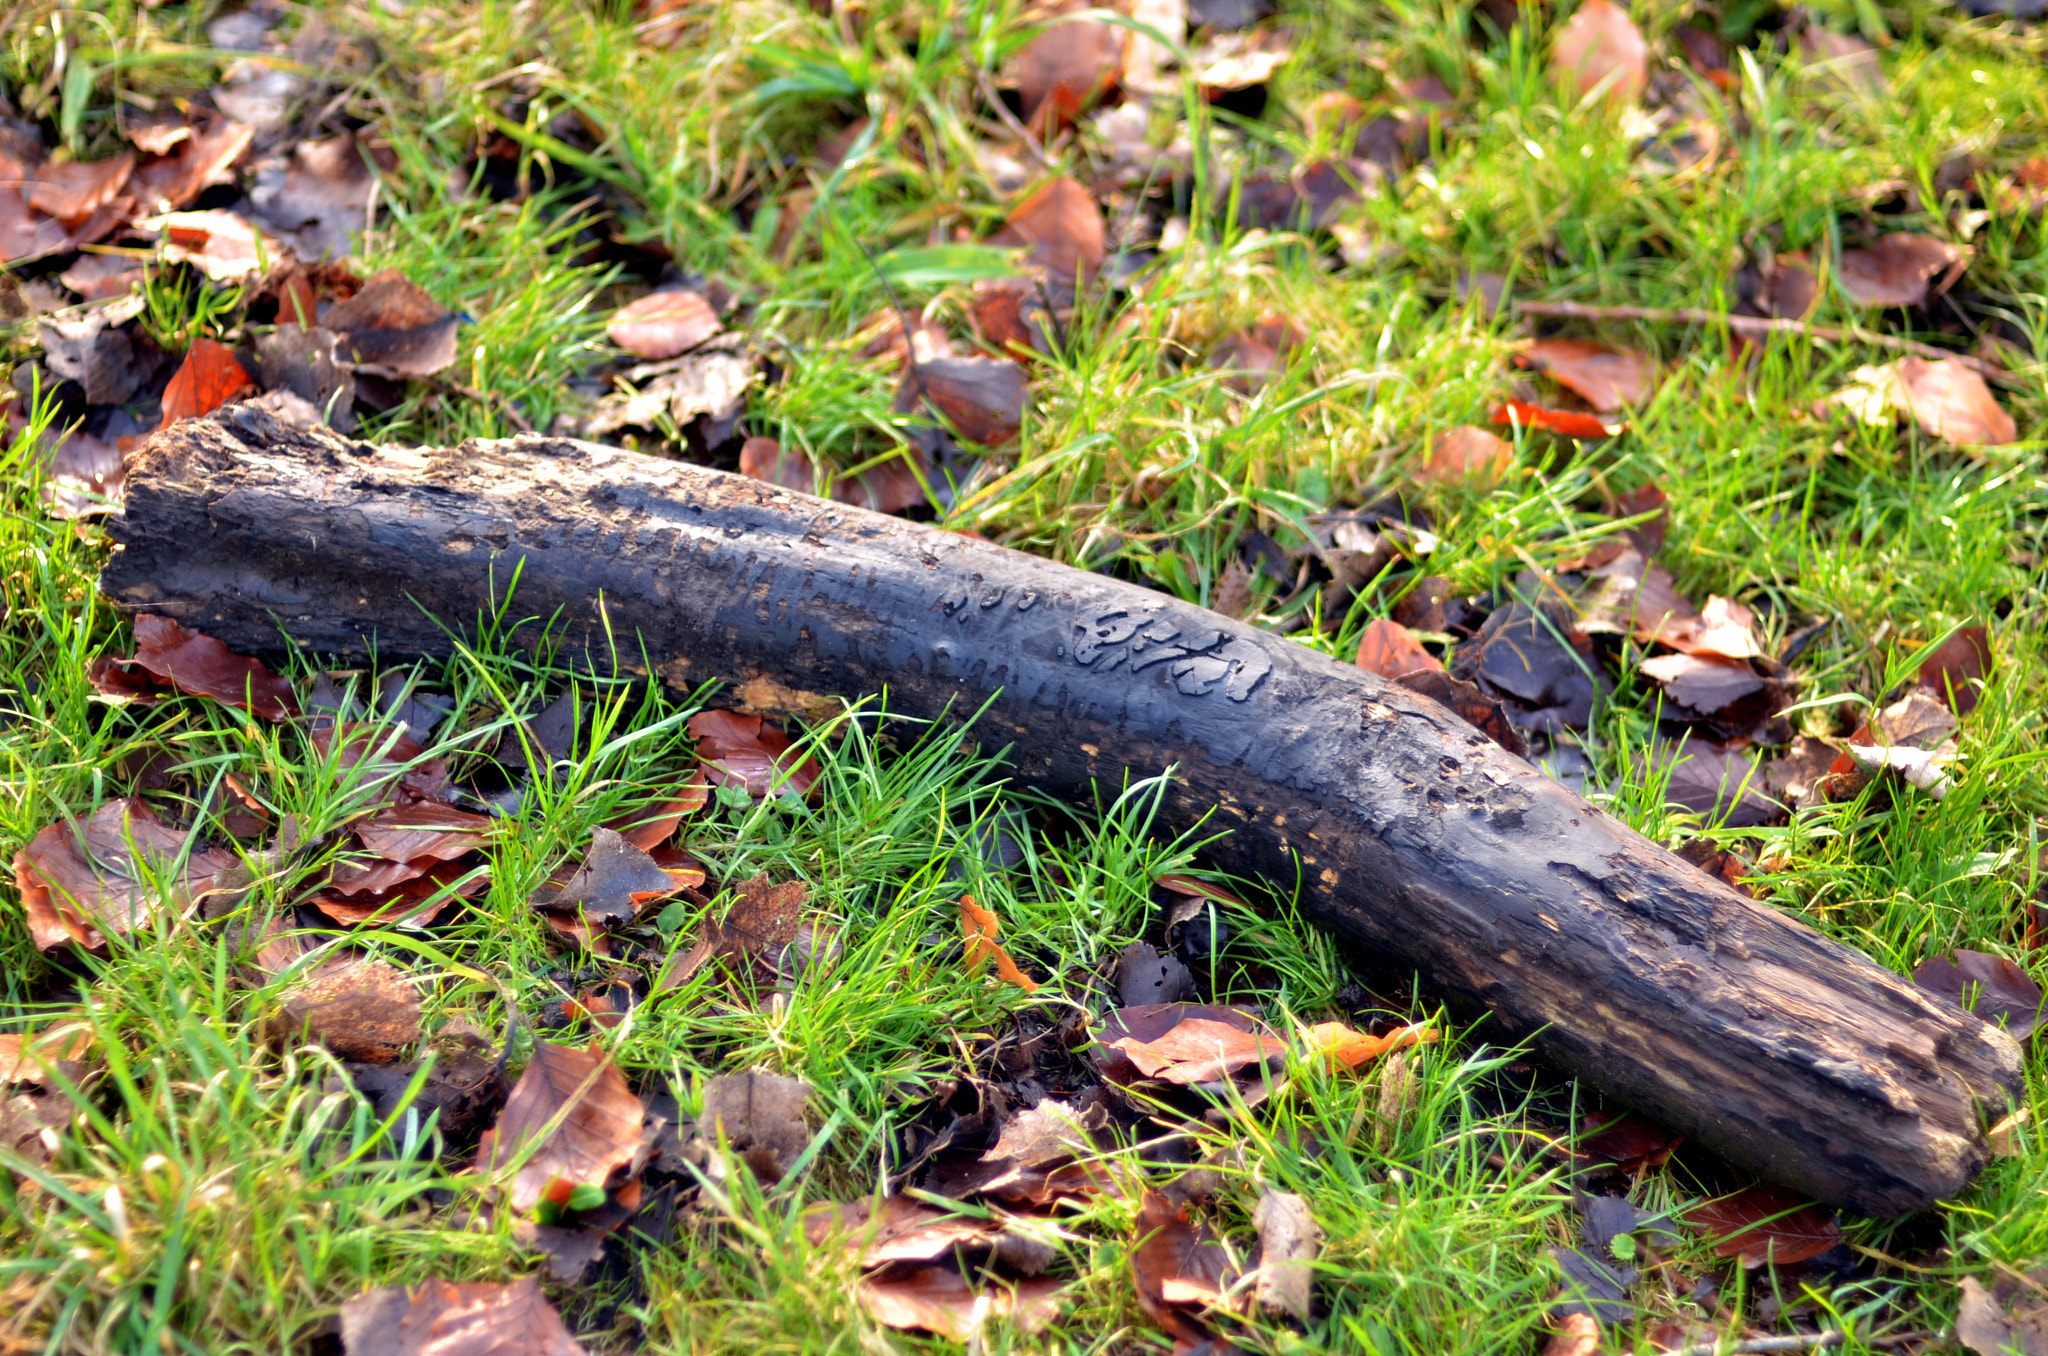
[(225, 1193)]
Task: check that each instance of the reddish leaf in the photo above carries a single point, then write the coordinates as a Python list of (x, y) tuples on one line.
[(1952, 403), (1953, 669), (1466, 453), (749, 753), (1173, 1264), (1067, 68), (897, 1230), (456, 1318), (1568, 422), (208, 379), (79, 884), (25, 233), (222, 245), (424, 831), (650, 826), (1992, 987), (1627, 1141), (1192, 888), (394, 326), (983, 398), (663, 324), (889, 487), (598, 1136), (1600, 42), (166, 183), (30, 1058), (1391, 650), (1184, 1043), (940, 1300), (360, 1009), (765, 460), (1354, 1049), (391, 762), (1605, 378), (1895, 269), (73, 192), (765, 920), (406, 902), (1063, 227), (196, 665), (1766, 1224)]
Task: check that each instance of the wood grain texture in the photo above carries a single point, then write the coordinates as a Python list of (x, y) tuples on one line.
[(1416, 840)]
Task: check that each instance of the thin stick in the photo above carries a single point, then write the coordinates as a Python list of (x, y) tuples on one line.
[(1812, 1341), (1756, 324)]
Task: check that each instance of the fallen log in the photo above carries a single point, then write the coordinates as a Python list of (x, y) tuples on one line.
[(1415, 839)]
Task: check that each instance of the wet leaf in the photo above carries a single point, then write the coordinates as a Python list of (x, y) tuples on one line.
[(99, 277), (1895, 269), (652, 826), (81, 883), (597, 1137), (393, 325), (1466, 453), (1185, 1044), (1391, 650), (981, 927), (360, 1009), (1766, 1224), (208, 379), (456, 1318), (1992, 987), (1606, 378), (1600, 43), (750, 754), (940, 1300), (199, 666), (663, 324)]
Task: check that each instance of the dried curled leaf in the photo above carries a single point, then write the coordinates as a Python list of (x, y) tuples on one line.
[(597, 1136)]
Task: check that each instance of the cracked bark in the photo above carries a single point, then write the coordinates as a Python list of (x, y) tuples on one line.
[(1416, 841)]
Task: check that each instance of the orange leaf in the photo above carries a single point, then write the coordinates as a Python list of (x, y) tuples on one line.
[(1391, 649), (981, 927), (209, 378), (1568, 422), (1355, 1048)]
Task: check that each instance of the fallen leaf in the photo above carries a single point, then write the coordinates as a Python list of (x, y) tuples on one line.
[(1916, 721), (889, 487), (761, 1115), (73, 191), (203, 158), (1175, 1263), (406, 900), (983, 398), (2002, 1139), (1144, 976), (765, 920), (1626, 1140), (1706, 683), (981, 927), (1895, 269), (1596, 1287), (1606, 378), (99, 277), (1843, 61), (29, 1059), (663, 324), (897, 1229), (1955, 669), (1184, 1044), (81, 883), (940, 1300), (424, 831), (1538, 663), (612, 882), (200, 666), (1067, 68), (319, 200), (1766, 1224), (1787, 287), (1951, 402), (1577, 1334), (87, 349), (1483, 712), (456, 1318), (208, 379), (393, 325), (358, 1008), (651, 826), (709, 382), (1355, 1049), (1288, 1243), (1391, 650), (225, 247), (1992, 987), (1600, 43), (597, 1137), (1063, 227), (1570, 423), (1146, 57), (1466, 453), (750, 754)]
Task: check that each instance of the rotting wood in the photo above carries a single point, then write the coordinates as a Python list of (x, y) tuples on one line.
[(1415, 840)]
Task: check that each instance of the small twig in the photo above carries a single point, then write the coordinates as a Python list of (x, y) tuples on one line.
[(1756, 324), (1811, 1341)]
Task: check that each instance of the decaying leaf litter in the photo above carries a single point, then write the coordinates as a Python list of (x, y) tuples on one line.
[(634, 1005)]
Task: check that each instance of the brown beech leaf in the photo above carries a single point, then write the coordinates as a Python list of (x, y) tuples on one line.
[(1894, 270), (407, 900), (166, 183), (1704, 683), (1577, 1334), (1288, 1243), (200, 666), (1176, 1264), (1571, 423), (651, 826), (761, 1116), (765, 920), (597, 1138), (1788, 287), (1992, 987), (1601, 43), (393, 325), (208, 379), (982, 926), (663, 324), (1953, 669), (1466, 453), (983, 398), (1067, 68), (613, 881), (29, 1059), (223, 246), (1766, 1224), (456, 1318), (1485, 714), (384, 759), (751, 754), (1627, 1141), (97, 277), (764, 459), (358, 1008), (73, 192), (1391, 650), (940, 1300), (1063, 226), (320, 199), (1952, 403), (1184, 1043), (79, 884), (1605, 378), (424, 831), (897, 1230)]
